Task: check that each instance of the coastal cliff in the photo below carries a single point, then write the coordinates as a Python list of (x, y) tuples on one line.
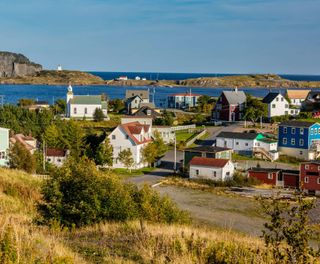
[(17, 65)]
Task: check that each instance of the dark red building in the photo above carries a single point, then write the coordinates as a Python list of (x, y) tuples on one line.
[(310, 177), (230, 106), (276, 177)]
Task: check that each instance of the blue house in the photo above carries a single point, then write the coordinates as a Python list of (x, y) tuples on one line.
[(299, 139), (4, 146)]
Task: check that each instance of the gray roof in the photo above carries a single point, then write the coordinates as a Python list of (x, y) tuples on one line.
[(237, 135), (86, 99), (209, 149), (235, 97), (144, 94), (297, 123), (151, 105), (269, 98)]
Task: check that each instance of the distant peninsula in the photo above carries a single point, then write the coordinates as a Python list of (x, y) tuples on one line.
[(18, 69)]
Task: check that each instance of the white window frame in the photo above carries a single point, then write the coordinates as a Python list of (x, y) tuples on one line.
[(301, 142), (270, 176), (306, 166), (285, 129), (318, 180), (301, 131), (293, 141), (284, 141), (293, 130), (306, 179)]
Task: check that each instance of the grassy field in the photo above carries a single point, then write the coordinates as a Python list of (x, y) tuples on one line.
[(22, 241)]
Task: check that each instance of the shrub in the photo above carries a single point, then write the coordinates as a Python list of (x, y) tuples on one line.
[(21, 158), (78, 195), (98, 115)]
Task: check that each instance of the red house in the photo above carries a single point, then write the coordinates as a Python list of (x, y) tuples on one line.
[(267, 175), (230, 106), (310, 177), (276, 177)]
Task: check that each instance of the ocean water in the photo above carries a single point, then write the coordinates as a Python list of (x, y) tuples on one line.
[(12, 93), (50, 93)]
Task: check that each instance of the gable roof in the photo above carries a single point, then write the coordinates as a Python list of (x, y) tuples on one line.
[(132, 98), (143, 111), (235, 97), (23, 140), (52, 152), (86, 99), (135, 128), (208, 149), (297, 123), (238, 135), (144, 94), (208, 162), (297, 94), (269, 97)]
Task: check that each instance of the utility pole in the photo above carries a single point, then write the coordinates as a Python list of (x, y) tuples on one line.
[(260, 122), (175, 153), (44, 155)]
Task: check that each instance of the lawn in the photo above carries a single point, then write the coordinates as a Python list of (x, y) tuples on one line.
[(183, 136), (127, 173)]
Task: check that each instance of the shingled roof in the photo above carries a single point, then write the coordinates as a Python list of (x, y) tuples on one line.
[(297, 123), (237, 135), (297, 94), (208, 162), (269, 97), (144, 94), (135, 128), (235, 97)]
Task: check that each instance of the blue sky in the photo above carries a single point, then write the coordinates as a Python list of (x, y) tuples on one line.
[(225, 36)]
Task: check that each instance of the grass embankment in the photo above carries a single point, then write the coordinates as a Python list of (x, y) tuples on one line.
[(21, 241)]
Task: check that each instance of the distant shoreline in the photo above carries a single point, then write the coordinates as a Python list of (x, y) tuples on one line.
[(254, 81)]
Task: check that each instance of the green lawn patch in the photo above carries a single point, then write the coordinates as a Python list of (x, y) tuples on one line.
[(127, 173)]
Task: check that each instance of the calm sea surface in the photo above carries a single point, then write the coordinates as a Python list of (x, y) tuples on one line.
[(12, 93)]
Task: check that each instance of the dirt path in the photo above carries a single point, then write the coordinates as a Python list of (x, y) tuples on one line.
[(227, 212)]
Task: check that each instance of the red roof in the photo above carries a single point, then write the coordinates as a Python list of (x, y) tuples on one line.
[(185, 94), (208, 162), (51, 152), (136, 128)]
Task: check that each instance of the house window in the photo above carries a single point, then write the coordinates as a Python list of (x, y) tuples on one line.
[(237, 143), (228, 173), (214, 174), (311, 131), (301, 142), (59, 160), (286, 106), (306, 167), (284, 130), (315, 131), (318, 130), (247, 144), (293, 141), (113, 137), (318, 180), (270, 176), (306, 179), (301, 152), (127, 137), (293, 131), (273, 106), (75, 110), (284, 141), (2, 155), (85, 110), (277, 99), (281, 99), (197, 172), (301, 131)]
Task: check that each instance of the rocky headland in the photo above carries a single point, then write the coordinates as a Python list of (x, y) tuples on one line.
[(16, 65)]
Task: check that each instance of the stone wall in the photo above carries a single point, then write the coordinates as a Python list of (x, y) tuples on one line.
[(16, 65)]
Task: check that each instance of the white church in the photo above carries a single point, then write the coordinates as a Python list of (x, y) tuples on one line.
[(84, 106)]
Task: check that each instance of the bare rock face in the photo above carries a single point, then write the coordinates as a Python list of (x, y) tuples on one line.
[(17, 65)]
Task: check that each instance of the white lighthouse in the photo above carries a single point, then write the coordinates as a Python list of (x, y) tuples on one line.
[(59, 68)]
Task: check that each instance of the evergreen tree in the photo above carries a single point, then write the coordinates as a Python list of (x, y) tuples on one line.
[(98, 115)]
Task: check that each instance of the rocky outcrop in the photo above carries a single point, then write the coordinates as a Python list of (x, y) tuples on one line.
[(17, 65)]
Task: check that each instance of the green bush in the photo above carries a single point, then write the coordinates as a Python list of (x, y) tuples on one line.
[(78, 195)]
